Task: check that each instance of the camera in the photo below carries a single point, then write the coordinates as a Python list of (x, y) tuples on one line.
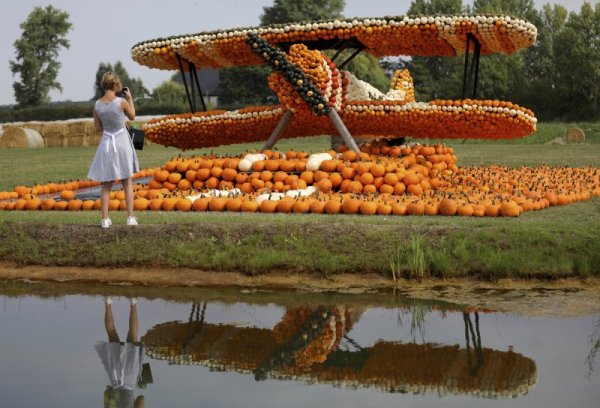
[(121, 93)]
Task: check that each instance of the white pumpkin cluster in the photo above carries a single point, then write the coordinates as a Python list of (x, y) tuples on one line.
[(519, 33), (275, 196), (234, 192), (314, 161), (246, 163), (359, 90)]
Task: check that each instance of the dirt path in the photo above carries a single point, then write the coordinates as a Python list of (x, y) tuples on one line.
[(560, 298)]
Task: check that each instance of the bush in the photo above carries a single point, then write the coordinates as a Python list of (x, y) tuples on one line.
[(46, 112), (77, 110)]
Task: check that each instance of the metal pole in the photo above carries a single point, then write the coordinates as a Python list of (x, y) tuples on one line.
[(195, 76), (343, 130), (187, 91), (464, 92), (192, 85), (350, 58), (470, 82), (477, 55), (287, 116), (338, 52)]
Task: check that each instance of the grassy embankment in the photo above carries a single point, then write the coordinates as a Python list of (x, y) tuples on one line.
[(554, 243)]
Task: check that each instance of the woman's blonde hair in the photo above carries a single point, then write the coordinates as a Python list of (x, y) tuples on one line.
[(111, 82)]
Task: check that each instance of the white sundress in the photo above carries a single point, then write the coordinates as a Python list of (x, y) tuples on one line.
[(123, 364), (115, 157)]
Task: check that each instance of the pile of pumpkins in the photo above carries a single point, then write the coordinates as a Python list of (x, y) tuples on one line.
[(380, 180)]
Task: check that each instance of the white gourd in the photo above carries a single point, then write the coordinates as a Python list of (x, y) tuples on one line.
[(270, 196), (244, 165), (314, 161)]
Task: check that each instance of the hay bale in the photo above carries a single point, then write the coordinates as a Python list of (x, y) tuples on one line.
[(92, 136), (37, 126), (55, 134), (21, 137), (75, 133), (574, 135)]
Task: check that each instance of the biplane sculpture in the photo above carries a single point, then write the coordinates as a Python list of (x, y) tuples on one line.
[(318, 97), (305, 346)]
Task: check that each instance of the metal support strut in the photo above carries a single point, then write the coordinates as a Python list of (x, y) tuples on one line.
[(187, 89), (194, 75), (195, 84), (333, 116), (343, 131), (473, 336), (287, 116), (471, 73), (350, 58)]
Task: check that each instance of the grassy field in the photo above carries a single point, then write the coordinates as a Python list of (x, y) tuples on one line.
[(554, 243)]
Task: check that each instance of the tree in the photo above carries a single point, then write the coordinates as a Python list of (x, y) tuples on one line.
[(437, 7), (577, 56), (169, 93), (516, 8), (242, 86), (136, 85), (44, 33), (540, 65), (287, 11)]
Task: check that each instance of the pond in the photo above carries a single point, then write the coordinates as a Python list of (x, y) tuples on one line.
[(240, 349)]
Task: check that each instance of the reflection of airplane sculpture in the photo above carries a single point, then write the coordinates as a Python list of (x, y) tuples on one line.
[(304, 346), (317, 97)]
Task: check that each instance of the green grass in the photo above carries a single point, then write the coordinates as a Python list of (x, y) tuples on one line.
[(557, 242)]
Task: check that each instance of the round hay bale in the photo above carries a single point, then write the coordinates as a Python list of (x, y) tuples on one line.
[(574, 135), (21, 137)]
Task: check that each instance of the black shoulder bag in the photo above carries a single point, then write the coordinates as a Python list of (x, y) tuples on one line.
[(137, 137)]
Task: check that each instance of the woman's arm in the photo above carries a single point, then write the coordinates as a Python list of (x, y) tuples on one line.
[(127, 105), (97, 123)]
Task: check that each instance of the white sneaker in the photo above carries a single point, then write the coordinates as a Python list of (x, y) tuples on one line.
[(106, 222), (132, 221)]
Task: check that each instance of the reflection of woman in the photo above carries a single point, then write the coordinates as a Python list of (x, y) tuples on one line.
[(122, 361)]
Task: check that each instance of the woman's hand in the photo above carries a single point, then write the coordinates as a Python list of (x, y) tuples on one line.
[(127, 104), (127, 93)]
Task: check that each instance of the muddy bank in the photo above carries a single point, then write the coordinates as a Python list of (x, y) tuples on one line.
[(558, 298)]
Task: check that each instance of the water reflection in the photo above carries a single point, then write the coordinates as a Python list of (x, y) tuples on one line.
[(314, 344), (123, 361)]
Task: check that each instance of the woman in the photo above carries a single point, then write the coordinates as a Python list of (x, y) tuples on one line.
[(115, 158)]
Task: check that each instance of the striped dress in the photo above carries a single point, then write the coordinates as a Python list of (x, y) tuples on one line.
[(115, 158)]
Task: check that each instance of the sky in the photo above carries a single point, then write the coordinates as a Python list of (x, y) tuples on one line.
[(105, 31)]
